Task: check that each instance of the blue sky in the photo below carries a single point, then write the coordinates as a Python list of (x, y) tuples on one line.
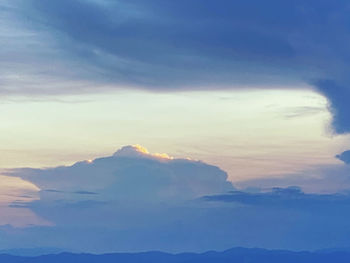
[(248, 101)]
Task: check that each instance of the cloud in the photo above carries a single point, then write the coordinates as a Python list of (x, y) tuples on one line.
[(259, 219), (126, 194), (344, 156), (154, 43), (75, 47), (139, 151), (166, 45), (135, 200), (338, 97), (109, 186), (327, 179), (296, 112), (132, 173), (291, 197)]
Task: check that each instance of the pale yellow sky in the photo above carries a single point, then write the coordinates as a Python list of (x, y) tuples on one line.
[(249, 134)]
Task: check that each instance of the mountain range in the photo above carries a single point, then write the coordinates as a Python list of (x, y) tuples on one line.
[(241, 255)]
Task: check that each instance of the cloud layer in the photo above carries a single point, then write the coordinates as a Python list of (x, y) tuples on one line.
[(75, 46)]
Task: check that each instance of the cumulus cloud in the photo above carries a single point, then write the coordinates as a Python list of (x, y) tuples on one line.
[(129, 193), (132, 173)]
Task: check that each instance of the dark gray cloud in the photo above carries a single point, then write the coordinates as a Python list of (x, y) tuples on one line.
[(85, 193), (344, 156), (75, 46), (162, 45), (338, 97), (291, 198), (76, 192)]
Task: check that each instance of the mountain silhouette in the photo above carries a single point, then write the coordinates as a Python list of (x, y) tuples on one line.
[(239, 255)]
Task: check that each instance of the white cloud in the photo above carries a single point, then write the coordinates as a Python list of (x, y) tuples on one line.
[(139, 151), (132, 174)]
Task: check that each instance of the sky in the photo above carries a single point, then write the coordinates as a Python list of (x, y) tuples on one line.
[(132, 125)]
